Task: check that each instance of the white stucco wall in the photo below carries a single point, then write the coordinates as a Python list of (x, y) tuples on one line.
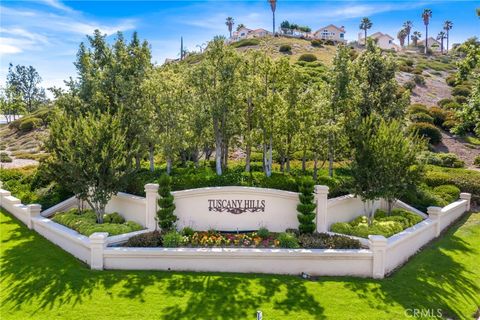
[(280, 212)]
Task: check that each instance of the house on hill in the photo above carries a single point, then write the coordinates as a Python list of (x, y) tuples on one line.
[(246, 33), (384, 41), (331, 32), (433, 44)]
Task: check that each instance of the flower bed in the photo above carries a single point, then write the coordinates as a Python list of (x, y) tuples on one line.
[(86, 222), (259, 239), (383, 224)]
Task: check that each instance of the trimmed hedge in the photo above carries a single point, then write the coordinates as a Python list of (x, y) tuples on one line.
[(438, 115), (421, 117), (461, 90), (448, 160), (245, 43), (85, 223), (466, 180), (27, 125), (285, 48), (444, 101), (426, 130), (4, 157), (317, 43), (417, 108)]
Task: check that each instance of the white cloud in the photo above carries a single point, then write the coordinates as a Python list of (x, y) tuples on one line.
[(8, 49)]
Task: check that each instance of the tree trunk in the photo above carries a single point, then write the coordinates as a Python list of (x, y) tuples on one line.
[(304, 160), (248, 152), (270, 157), (282, 163), (365, 38), (426, 39), (137, 161), (408, 39), (448, 39), (169, 165), (218, 148), (151, 153), (390, 203), (225, 155), (315, 166), (330, 159)]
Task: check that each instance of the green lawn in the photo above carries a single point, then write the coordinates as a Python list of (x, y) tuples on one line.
[(40, 281)]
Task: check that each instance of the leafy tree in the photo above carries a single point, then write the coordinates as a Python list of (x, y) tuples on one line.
[(375, 85), (285, 26), (407, 26), (365, 24), (166, 217), (229, 23), (89, 156), (25, 82), (306, 207), (447, 26), (11, 103), (214, 79), (426, 15)]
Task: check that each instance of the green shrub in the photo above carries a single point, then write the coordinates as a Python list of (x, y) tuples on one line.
[(405, 68), (308, 57), (461, 90), (409, 85), (426, 130), (419, 79), (306, 207), (451, 80), (329, 42), (245, 43), (448, 192), (421, 197), (382, 224), (27, 125), (421, 117), (326, 241), (285, 48), (317, 43), (438, 115), (461, 99), (465, 180), (166, 217), (113, 217), (172, 239), (476, 162), (288, 240), (85, 223), (443, 102), (187, 231), (448, 160), (149, 239), (263, 233), (417, 108), (417, 71), (452, 106), (4, 157)]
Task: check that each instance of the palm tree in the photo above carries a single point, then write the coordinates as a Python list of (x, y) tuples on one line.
[(426, 15), (441, 36), (401, 35), (365, 24), (230, 24), (407, 26), (415, 37), (273, 6), (447, 26), (240, 26), (478, 12)]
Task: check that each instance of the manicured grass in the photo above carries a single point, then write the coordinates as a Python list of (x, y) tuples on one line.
[(40, 281)]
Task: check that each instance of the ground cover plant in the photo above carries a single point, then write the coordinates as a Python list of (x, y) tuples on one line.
[(86, 222), (382, 224), (41, 281)]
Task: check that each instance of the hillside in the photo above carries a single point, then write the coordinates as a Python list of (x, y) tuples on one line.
[(425, 76)]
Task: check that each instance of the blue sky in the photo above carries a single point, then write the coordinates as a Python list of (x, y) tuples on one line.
[(46, 34)]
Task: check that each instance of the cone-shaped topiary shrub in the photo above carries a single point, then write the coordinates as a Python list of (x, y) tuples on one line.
[(306, 207), (166, 218)]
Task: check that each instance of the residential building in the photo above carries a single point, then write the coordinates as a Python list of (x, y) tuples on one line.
[(331, 32), (384, 41), (246, 33), (433, 44)]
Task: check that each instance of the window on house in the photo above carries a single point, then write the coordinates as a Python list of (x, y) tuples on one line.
[(341, 35)]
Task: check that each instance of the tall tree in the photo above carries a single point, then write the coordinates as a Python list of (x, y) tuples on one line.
[(229, 23), (89, 156), (215, 79), (25, 81), (426, 15), (407, 26), (11, 103), (273, 7), (415, 37), (365, 24), (401, 35), (441, 36), (240, 26), (447, 26)]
